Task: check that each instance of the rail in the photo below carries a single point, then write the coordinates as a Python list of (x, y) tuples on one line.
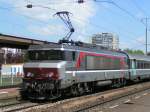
[(84, 103)]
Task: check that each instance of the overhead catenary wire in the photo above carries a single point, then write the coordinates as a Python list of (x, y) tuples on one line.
[(145, 23), (41, 6), (25, 16), (119, 28), (29, 5), (28, 17), (73, 16), (95, 25), (122, 9), (55, 9), (33, 19), (27, 1), (135, 46), (60, 3), (138, 7), (69, 2)]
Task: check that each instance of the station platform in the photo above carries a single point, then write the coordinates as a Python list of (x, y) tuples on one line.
[(9, 93)]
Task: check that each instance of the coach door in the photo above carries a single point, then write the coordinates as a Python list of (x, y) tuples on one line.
[(133, 67)]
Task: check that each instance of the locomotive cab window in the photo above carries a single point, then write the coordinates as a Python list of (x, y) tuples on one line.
[(46, 55)]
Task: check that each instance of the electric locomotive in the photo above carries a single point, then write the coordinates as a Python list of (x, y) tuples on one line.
[(53, 68)]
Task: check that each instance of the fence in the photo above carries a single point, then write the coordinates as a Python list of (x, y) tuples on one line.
[(9, 80), (11, 74)]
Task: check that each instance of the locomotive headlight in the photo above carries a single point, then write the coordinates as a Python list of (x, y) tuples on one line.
[(50, 74), (29, 74)]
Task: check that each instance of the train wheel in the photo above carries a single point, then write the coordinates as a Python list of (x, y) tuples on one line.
[(86, 87), (92, 87), (116, 83), (24, 95), (124, 82), (81, 89), (74, 90)]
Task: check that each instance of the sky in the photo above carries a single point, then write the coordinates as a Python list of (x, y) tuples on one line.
[(122, 17)]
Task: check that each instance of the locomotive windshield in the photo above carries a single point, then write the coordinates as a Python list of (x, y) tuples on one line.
[(46, 55)]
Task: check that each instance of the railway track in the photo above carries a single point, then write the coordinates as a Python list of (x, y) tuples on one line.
[(86, 103), (12, 104), (9, 101), (77, 104), (112, 102), (10, 86), (17, 106)]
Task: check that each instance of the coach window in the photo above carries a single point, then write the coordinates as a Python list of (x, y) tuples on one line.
[(144, 64), (149, 65), (138, 64), (141, 64)]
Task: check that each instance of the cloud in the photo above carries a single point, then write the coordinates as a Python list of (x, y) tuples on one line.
[(136, 44), (124, 45), (140, 15), (141, 39), (81, 15), (48, 30)]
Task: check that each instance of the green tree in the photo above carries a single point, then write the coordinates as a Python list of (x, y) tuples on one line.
[(130, 51)]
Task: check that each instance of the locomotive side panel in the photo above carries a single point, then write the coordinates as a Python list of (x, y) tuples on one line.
[(99, 67)]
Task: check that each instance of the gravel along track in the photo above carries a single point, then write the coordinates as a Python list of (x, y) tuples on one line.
[(9, 102), (9, 93), (10, 99), (85, 103), (17, 106), (12, 103)]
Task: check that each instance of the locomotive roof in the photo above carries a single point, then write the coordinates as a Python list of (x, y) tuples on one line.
[(85, 48), (139, 57)]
